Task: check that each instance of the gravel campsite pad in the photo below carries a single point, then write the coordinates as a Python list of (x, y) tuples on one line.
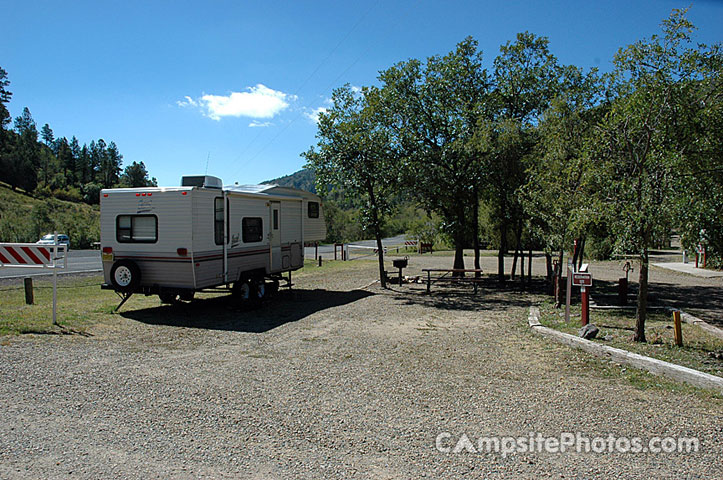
[(338, 379)]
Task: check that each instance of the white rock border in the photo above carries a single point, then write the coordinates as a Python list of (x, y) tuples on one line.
[(652, 365)]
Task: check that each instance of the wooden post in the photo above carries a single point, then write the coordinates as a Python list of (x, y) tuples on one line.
[(677, 328), (320, 261), (28, 290)]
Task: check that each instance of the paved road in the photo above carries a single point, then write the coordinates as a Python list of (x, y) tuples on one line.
[(327, 251), (89, 260)]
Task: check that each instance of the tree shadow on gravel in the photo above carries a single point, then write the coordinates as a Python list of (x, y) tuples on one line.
[(490, 296), (705, 302), (224, 313)]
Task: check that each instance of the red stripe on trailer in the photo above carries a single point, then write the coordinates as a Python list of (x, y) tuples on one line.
[(32, 256), (45, 251), (15, 255), (3, 258)]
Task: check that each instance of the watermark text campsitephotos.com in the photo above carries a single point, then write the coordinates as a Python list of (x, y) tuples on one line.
[(536, 442)]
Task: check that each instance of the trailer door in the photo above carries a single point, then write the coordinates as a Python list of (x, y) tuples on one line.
[(275, 237)]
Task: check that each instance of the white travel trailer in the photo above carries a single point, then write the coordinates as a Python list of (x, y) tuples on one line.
[(174, 241)]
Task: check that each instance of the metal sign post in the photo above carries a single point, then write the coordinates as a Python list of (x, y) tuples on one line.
[(583, 279), (55, 278), (570, 270)]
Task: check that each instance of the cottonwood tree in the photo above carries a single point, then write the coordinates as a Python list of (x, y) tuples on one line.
[(555, 198), (356, 154), (525, 80), (636, 151), (433, 108)]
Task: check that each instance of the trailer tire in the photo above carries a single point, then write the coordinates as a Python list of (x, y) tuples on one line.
[(125, 276), (187, 295), (260, 289), (168, 297), (242, 290)]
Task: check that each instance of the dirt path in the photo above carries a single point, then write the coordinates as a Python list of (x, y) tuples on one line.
[(332, 381)]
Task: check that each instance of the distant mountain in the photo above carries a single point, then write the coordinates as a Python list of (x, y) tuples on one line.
[(304, 179)]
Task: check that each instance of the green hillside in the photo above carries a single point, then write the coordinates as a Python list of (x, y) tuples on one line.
[(24, 218), (303, 180)]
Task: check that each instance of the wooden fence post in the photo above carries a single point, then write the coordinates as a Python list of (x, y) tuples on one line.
[(28, 282), (677, 328)]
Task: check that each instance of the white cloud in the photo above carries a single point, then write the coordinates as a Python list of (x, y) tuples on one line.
[(256, 102), (188, 102), (260, 124), (313, 115)]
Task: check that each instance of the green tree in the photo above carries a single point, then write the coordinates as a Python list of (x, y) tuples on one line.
[(637, 152), (26, 153), (136, 175), (554, 197), (355, 153), (6, 137), (5, 96), (526, 78), (433, 109), (110, 165)]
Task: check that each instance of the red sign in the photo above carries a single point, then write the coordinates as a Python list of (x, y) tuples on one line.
[(582, 279)]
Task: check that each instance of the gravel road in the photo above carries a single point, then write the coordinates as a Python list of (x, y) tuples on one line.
[(335, 380)]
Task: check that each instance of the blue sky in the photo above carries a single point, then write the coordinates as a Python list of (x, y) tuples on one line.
[(236, 84)]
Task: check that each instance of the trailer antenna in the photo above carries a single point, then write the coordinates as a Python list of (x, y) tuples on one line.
[(207, 159)]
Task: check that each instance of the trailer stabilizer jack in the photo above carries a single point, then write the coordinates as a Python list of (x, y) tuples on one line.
[(124, 298)]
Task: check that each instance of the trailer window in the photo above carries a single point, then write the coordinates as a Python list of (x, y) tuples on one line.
[(218, 220), (276, 219), (313, 209), (252, 229), (136, 228)]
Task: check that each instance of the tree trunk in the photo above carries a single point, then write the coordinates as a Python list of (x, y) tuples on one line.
[(380, 248), (642, 298), (548, 264), (501, 253), (518, 251), (458, 257), (576, 251), (522, 265), (377, 234), (558, 280), (529, 266), (581, 252)]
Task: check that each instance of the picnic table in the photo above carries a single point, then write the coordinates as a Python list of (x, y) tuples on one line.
[(448, 275)]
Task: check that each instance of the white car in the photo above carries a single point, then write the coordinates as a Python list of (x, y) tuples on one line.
[(49, 239)]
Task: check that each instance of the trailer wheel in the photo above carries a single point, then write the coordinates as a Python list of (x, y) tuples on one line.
[(125, 276), (242, 290), (187, 296), (260, 289), (167, 297)]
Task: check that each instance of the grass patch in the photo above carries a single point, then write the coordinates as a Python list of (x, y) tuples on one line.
[(82, 304), (700, 350)]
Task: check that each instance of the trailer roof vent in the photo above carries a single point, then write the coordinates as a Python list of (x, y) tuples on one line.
[(205, 181)]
